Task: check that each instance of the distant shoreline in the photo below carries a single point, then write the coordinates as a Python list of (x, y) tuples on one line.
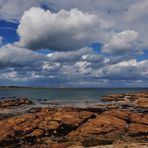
[(40, 87)]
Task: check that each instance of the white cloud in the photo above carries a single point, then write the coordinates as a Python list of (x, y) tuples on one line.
[(11, 55), (121, 42), (95, 6), (81, 67), (117, 16), (119, 25), (12, 10), (127, 70), (137, 11), (69, 55), (64, 30)]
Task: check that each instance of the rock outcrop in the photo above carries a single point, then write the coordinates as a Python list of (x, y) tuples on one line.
[(14, 102), (43, 123), (63, 127)]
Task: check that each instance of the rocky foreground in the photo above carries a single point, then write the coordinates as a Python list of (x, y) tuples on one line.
[(120, 122)]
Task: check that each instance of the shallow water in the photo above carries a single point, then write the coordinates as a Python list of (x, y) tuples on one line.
[(65, 94)]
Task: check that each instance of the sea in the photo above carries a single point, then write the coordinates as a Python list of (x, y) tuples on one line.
[(64, 94)]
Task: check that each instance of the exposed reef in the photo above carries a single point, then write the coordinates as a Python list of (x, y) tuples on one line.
[(120, 122)]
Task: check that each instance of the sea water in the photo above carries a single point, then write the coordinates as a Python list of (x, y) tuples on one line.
[(65, 94)]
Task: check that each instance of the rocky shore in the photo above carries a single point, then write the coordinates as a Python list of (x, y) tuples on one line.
[(122, 121), (14, 102)]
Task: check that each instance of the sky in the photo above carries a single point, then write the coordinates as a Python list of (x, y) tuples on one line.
[(95, 43)]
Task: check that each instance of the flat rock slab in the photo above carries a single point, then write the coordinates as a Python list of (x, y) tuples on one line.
[(42, 123), (102, 125)]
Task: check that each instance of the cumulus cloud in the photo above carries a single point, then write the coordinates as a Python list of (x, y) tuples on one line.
[(64, 30), (119, 15), (14, 9), (67, 28), (11, 55), (127, 70), (95, 6), (121, 42), (73, 68), (137, 10), (69, 55)]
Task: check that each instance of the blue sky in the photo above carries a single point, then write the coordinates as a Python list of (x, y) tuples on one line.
[(95, 44), (8, 31)]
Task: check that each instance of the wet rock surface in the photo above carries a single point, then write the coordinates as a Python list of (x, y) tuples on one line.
[(111, 124), (7, 103)]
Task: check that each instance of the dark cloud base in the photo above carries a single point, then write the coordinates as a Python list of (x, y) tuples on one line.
[(80, 68)]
